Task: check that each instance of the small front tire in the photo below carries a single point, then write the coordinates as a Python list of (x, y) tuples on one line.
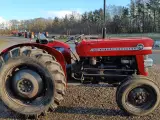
[(138, 96)]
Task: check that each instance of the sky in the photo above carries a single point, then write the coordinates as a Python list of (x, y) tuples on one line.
[(29, 9)]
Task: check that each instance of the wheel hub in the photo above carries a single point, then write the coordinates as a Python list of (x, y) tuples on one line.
[(27, 83), (138, 96), (25, 86)]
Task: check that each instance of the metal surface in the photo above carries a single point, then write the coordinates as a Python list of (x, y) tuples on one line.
[(27, 83), (104, 22), (148, 62), (97, 69), (140, 64), (25, 86), (139, 97), (66, 52), (105, 75), (113, 47)]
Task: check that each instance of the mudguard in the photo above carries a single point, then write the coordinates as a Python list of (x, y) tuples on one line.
[(59, 57)]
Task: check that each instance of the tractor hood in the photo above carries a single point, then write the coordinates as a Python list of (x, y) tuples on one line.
[(115, 47)]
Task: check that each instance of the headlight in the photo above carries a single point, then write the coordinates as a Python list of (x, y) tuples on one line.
[(148, 62)]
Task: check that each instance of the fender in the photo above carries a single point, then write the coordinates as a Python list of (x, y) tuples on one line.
[(59, 57), (66, 52)]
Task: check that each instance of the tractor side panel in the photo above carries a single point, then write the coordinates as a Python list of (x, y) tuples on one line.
[(114, 47), (50, 50)]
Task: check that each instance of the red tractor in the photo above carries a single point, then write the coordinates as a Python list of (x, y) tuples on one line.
[(33, 76)]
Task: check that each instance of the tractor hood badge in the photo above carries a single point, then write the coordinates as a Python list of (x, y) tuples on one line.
[(140, 46)]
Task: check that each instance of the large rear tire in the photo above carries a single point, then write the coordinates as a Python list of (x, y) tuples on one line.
[(32, 82), (138, 96)]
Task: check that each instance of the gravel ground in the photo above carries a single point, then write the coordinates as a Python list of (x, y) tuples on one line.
[(89, 102)]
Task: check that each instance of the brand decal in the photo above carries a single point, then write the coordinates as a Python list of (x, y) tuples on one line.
[(138, 47)]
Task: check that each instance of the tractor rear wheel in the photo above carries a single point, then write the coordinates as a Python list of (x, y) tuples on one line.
[(31, 81), (138, 96)]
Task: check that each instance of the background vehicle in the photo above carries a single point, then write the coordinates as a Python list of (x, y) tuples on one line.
[(41, 38)]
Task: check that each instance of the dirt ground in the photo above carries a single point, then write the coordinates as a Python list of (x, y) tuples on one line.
[(86, 102)]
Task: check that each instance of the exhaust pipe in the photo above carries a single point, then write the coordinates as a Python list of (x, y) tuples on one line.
[(104, 22)]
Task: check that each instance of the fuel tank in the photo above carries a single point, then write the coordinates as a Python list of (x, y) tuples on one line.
[(115, 47)]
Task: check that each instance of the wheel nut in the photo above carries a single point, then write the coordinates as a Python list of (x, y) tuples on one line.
[(140, 97)]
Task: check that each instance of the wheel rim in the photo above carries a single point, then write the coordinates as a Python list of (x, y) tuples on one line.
[(27, 83), (25, 86), (44, 90), (142, 97)]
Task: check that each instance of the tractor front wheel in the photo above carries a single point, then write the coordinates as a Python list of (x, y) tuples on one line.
[(138, 96), (31, 81)]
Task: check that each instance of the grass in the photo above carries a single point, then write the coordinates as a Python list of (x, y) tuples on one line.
[(63, 40)]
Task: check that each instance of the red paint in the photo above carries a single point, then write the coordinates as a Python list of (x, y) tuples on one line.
[(14, 32), (83, 48), (140, 64), (52, 51), (66, 47)]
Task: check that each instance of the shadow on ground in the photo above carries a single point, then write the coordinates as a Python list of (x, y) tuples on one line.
[(90, 111), (7, 114)]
